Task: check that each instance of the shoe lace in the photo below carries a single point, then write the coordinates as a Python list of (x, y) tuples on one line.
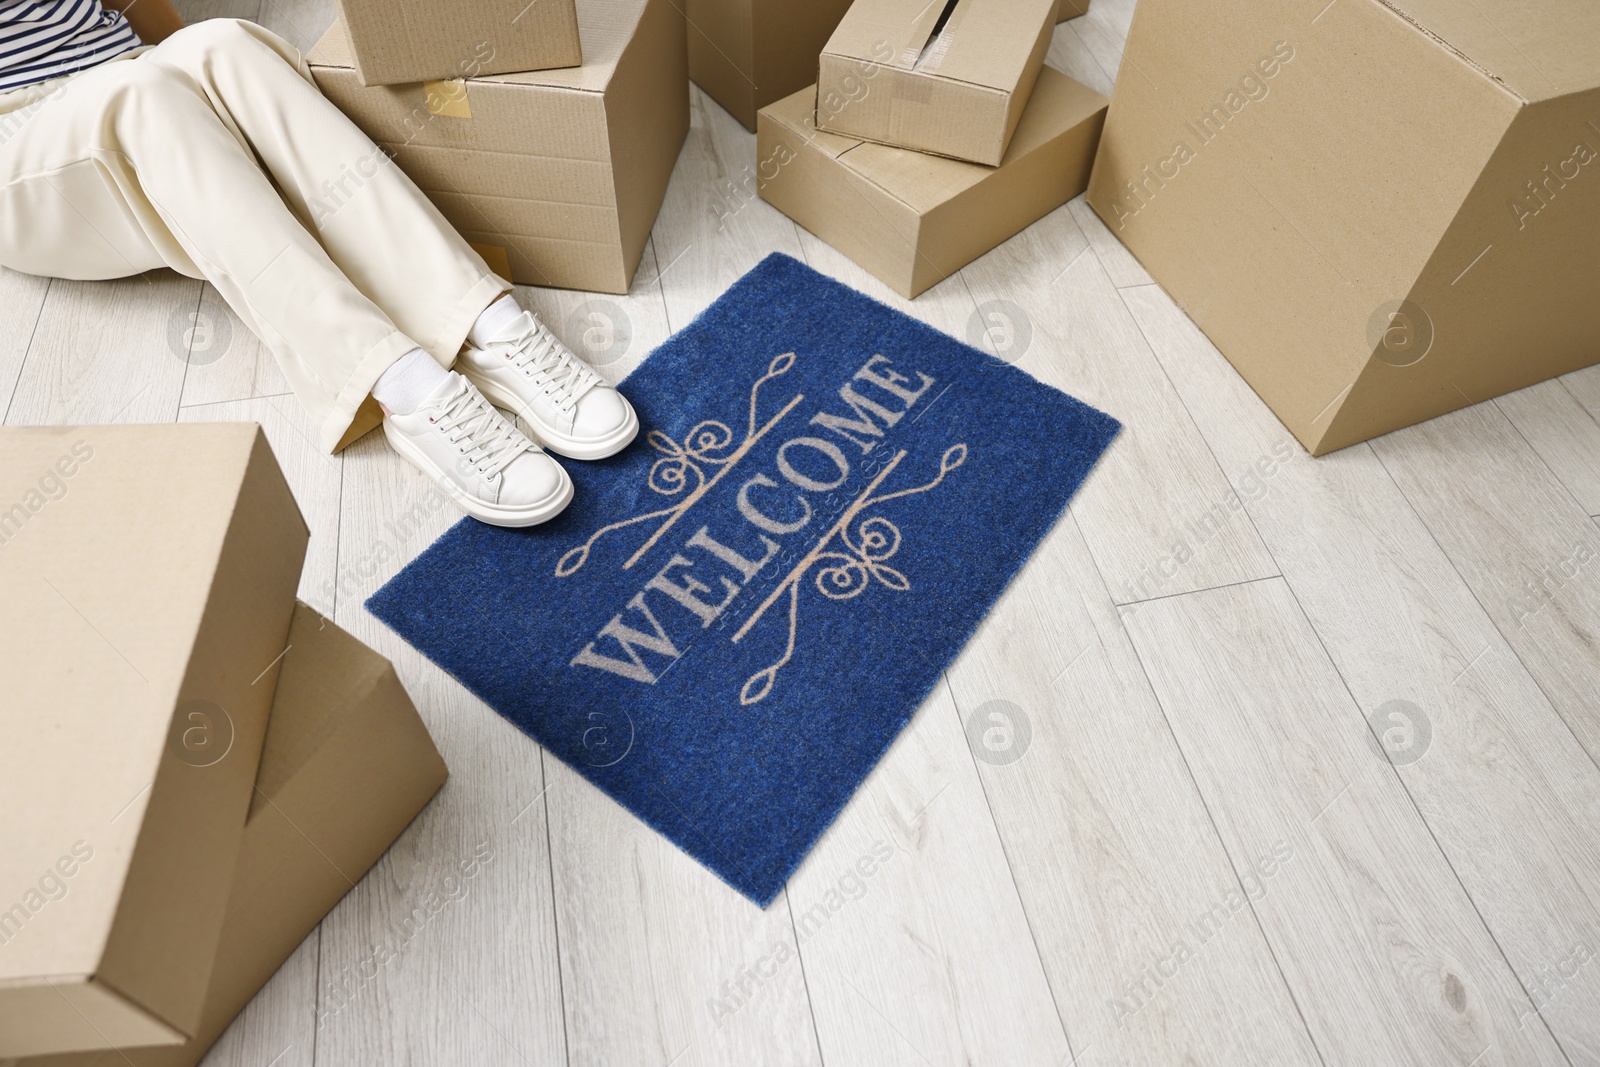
[(480, 433), (541, 355)]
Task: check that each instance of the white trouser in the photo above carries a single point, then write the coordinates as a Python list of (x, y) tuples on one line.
[(214, 154)]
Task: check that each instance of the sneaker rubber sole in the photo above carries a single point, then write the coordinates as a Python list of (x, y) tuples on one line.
[(493, 514), (553, 439)]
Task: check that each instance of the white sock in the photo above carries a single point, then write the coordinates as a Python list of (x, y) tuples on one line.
[(499, 321), (409, 381)]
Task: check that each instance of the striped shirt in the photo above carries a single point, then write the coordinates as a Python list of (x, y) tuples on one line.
[(44, 39)]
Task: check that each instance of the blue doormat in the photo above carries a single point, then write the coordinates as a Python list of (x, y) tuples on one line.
[(738, 614)]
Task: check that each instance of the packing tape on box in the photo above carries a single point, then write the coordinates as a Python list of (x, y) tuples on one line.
[(499, 260), (448, 99), (929, 55)]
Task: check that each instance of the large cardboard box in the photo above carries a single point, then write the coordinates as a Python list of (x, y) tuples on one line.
[(1379, 211), (148, 575), (747, 54), (346, 767), (913, 219), (950, 78), (399, 41), (1071, 9), (555, 175)]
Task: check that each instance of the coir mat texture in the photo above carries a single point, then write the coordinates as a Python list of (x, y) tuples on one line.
[(738, 614)]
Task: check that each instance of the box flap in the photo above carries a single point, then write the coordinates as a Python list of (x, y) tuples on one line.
[(1536, 48), (326, 673), (340, 707)]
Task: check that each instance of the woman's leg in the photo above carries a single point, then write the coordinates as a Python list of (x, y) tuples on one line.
[(375, 225), (390, 240), (127, 167)]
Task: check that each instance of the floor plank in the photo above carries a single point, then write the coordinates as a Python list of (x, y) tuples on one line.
[(1382, 949), (1072, 57), (300, 22), (1563, 433), (472, 973), (661, 963), (639, 923), (913, 938), (947, 307), (199, 10), (713, 227), (22, 296), (226, 361), (613, 333), (1118, 865), (1158, 513), (1104, 32), (1188, 712), (1123, 269), (1584, 385), (893, 977), (107, 352), (1506, 789), (1530, 555)]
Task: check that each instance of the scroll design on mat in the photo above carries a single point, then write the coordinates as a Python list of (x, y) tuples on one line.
[(683, 469), (859, 560)]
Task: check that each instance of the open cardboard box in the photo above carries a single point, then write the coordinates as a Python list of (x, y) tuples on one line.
[(555, 176), (346, 766), (913, 220), (148, 575), (948, 78), (1380, 211)]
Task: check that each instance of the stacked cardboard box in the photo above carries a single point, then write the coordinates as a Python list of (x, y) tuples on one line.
[(934, 133), (746, 54), (187, 750), (400, 41), (1379, 214), (555, 175)]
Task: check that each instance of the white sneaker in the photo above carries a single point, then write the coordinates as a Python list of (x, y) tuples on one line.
[(468, 448), (572, 409)]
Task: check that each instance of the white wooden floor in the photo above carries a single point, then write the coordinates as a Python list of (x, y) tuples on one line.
[(1200, 856)]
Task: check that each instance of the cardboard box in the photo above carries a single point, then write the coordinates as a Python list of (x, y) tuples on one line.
[(948, 78), (347, 765), (555, 175), (1378, 215), (747, 54), (399, 41), (148, 575), (913, 219), (1071, 9)]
